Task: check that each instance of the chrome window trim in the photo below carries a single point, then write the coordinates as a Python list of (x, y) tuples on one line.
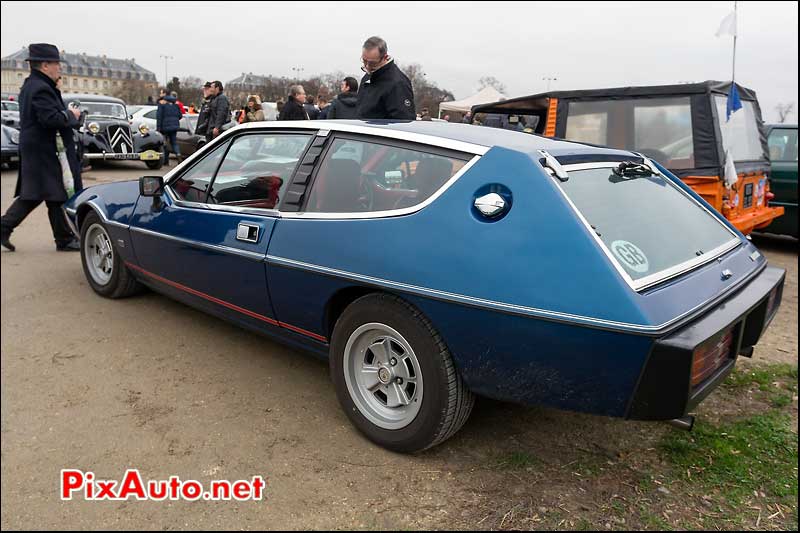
[(197, 244), (306, 215), (663, 275), (483, 303), (313, 126)]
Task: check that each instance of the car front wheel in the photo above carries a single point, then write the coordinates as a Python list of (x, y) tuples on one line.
[(154, 165), (394, 376), (104, 268)]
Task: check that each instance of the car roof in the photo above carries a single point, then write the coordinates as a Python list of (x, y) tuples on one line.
[(782, 125), (464, 137), (92, 98)]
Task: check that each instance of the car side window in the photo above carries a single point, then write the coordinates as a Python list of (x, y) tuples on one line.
[(359, 176), (257, 169), (193, 185), (151, 114)]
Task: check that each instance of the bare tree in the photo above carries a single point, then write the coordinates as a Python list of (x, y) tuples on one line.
[(784, 110), (133, 91), (491, 81)]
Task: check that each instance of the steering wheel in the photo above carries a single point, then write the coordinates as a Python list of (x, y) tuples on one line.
[(366, 194)]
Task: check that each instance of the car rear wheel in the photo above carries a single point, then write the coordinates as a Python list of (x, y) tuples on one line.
[(394, 376), (104, 268)]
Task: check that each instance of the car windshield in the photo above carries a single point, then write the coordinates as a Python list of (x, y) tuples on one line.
[(103, 109), (10, 106), (783, 144), (647, 224)]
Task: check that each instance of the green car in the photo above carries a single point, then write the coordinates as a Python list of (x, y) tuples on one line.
[(782, 140)]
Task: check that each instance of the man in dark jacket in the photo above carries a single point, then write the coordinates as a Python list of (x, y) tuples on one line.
[(344, 105), (42, 115), (168, 121), (202, 115), (311, 109), (293, 109), (385, 91), (219, 110)]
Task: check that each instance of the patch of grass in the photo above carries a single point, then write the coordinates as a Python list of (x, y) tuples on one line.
[(763, 376), (517, 461), (758, 453)]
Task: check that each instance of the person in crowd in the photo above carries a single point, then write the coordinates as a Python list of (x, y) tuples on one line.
[(426, 114), (324, 108), (293, 109), (180, 105), (311, 108), (385, 92), (253, 112), (279, 107), (344, 105), (150, 99), (219, 110), (168, 120), (40, 179), (446, 118), (202, 115), (467, 118)]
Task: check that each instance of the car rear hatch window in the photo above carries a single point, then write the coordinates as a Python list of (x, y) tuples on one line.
[(650, 228)]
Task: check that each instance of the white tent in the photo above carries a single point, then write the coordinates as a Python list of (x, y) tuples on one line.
[(484, 96)]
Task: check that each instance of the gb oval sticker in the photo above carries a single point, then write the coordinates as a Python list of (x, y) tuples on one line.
[(631, 256)]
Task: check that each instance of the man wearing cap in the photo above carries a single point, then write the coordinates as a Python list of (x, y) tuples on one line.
[(202, 116), (42, 115)]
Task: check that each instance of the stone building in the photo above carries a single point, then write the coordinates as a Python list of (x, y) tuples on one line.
[(83, 73)]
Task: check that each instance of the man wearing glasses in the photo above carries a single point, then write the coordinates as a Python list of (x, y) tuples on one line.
[(385, 91)]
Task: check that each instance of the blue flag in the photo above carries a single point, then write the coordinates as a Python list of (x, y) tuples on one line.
[(734, 102)]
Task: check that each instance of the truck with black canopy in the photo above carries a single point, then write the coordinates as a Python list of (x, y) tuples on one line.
[(684, 127)]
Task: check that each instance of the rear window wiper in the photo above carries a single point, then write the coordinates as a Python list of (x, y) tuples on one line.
[(631, 169)]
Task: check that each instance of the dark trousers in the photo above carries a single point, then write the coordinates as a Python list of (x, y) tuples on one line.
[(22, 208), (171, 145)]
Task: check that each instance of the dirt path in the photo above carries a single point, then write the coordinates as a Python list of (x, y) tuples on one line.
[(146, 382)]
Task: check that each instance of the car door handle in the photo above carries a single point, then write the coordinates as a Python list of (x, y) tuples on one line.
[(247, 232)]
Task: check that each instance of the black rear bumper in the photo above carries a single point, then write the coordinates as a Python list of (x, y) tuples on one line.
[(665, 391)]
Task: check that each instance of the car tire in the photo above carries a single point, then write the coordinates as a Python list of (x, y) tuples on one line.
[(382, 331), (154, 165), (107, 275)]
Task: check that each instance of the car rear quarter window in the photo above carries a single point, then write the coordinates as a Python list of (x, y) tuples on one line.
[(361, 176), (647, 224), (256, 170)]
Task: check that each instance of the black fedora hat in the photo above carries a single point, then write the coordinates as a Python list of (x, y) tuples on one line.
[(43, 52)]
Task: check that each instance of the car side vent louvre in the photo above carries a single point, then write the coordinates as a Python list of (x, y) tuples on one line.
[(295, 193)]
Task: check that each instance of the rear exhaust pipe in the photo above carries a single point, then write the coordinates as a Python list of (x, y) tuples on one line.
[(687, 422)]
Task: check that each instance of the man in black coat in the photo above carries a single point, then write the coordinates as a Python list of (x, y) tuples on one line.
[(219, 110), (294, 109), (42, 115), (344, 105), (385, 91)]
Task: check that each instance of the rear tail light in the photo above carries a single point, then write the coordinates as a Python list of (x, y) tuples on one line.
[(711, 355)]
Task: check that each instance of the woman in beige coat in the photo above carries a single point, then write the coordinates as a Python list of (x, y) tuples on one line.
[(254, 111)]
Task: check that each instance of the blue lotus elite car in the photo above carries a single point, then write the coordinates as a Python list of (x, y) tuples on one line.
[(432, 262)]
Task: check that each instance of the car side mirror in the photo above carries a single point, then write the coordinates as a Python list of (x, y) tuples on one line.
[(151, 185)]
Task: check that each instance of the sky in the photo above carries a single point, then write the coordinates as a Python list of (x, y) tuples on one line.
[(582, 45)]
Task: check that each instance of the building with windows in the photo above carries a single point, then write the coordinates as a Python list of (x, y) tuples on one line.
[(84, 74)]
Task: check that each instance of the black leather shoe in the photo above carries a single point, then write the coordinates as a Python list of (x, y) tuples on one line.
[(71, 246), (7, 243)]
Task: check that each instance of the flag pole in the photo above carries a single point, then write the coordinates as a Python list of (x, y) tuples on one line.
[(735, 31)]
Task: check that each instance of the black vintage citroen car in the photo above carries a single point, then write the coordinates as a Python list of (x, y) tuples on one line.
[(106, 133)]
